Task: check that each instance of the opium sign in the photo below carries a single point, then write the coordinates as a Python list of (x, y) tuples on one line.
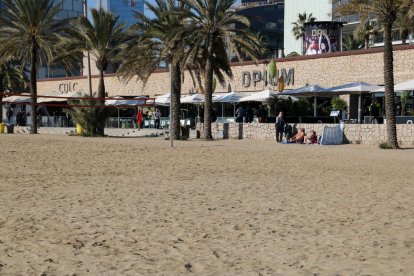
[(67, 87), (255, 77)]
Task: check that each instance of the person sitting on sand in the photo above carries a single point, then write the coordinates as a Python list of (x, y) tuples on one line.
[(312, 139), (298, 138)]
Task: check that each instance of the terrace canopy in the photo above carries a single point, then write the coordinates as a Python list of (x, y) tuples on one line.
[(309, 91), (355, 88)]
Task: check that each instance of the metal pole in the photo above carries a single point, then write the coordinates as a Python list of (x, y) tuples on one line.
[(359, 108), (85, 14), (171, 100), (222, 112)]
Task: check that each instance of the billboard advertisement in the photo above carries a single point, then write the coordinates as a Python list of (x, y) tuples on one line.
[(322, 37)]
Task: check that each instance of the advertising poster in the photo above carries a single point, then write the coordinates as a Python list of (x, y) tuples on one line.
[(322, 37)]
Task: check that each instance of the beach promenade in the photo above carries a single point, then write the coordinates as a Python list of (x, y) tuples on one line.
[(134, 206)]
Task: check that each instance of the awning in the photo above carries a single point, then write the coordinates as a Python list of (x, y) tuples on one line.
[(58, 97), (264, 96)]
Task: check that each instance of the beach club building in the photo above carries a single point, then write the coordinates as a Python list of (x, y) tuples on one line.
[(326, 70)]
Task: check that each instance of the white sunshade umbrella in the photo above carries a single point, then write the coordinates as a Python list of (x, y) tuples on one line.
[(117, 101), (17, 99), (139, 100), (264, 96), (163, 100), (232, 97), (62, 97), (306, 91), (193, 99), (309, 91), (355, 88), (259, 96), (403, 86)]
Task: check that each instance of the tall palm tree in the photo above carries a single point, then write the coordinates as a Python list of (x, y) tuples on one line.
[(215, 29), (298, 29), (30, 33), (154, 41), (103, 39), (385, 12), (12, 78), (365, 30)]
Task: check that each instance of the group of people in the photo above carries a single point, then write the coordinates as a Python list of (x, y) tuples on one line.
[(140, 117), (20, 116), (246, 115), (284, 133)]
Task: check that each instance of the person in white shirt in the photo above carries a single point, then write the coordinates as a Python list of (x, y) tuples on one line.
[(157, 116)]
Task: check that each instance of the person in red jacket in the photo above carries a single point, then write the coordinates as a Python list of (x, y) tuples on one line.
[(140, 119)]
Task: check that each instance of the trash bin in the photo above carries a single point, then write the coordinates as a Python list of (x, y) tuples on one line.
[(2, 125), (10, 128)]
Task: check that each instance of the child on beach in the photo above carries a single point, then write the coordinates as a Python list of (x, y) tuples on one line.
[(312, 139)]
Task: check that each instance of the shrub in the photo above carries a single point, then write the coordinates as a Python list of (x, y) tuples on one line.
[(384, 145), (338, 103)]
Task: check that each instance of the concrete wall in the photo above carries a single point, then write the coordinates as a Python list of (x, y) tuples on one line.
[(326, 70), (354, 133), (320, 9)]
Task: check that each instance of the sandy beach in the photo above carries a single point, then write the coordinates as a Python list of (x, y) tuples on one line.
[(133, 206)]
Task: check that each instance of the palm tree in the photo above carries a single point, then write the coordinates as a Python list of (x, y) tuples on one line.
[(155, 41), (365, 30), (215, 28), (103, 39), (298, 29), (385, 12), (12, 78), (30, 33), (405, 22), (350, 42)]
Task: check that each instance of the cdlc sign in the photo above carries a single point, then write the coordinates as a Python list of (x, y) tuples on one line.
[(256, 76), (67, 87)]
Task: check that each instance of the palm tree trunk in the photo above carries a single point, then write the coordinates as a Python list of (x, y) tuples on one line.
[(389, 87), (208, 96), (175, 99), (33, 89), (366, 42), (101, 102)]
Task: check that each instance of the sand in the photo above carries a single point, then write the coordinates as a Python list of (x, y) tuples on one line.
[(133, 206)]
